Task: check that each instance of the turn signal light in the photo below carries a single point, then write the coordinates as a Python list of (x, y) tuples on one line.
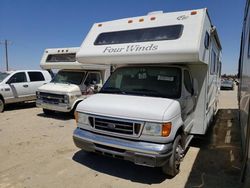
[(166, 129), (130, 21), (152, 18), (76, 116), (141, 20)]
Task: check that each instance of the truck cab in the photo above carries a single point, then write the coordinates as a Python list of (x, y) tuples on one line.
[(72, 83), (163, 91)]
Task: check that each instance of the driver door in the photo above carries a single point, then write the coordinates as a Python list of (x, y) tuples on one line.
[(17, 88), (188, 98)]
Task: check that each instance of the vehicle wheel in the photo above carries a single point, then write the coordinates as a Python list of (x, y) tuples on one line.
[(47, 112), (172, 167), (1, 105)]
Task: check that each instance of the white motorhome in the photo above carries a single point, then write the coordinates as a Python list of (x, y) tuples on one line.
[(164, 89), (73, 82)]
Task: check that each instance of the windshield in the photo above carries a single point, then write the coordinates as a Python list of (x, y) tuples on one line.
[(69, 77), (3, 76), (145, 81)]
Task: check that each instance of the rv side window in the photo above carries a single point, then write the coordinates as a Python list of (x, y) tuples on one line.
[(213, 62), (170, 32), (71, 57), (93, 78), (187, 81), (36, 76), (206, 41)]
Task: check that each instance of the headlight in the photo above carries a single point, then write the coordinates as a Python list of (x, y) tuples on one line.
[(82, 118), (38, 94), (66, 99), (157, 129)]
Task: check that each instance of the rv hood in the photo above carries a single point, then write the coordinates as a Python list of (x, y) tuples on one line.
[(131, 107)]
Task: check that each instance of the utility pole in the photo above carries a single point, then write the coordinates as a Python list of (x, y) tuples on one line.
[(6, 43)]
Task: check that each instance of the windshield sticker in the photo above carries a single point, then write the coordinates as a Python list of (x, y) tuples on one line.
[(131, 48), (142, 76), (165, 78)]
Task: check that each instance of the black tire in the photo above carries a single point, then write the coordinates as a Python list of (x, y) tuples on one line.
[(48, 112), (1, 105), (172, 167)]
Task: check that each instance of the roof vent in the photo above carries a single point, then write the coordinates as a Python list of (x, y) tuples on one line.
[(155, 12)]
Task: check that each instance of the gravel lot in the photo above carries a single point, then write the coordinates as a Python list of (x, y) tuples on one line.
[(38, 151)]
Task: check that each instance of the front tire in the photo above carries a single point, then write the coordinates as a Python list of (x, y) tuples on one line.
[(1, 105), (172, 167)]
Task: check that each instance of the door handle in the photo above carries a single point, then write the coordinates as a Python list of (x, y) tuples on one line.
[(25, 85)]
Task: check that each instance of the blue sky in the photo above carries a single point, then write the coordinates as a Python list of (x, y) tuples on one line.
[(33, 25)]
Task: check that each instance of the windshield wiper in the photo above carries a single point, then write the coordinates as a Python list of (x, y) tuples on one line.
[(146, 92), (112, 90)]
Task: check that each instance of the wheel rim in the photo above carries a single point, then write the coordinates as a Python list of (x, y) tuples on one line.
[(178, 156)]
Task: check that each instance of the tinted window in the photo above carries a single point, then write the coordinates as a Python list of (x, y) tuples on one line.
[(61, 57), (93, 78), (140, 35), (145, 81), (18, 78), (187, 81), (36, 76)]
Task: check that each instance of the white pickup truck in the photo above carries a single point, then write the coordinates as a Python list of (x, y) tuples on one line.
[(163, 91), (19, 86)]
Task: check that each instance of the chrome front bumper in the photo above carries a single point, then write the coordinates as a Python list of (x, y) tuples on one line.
[(55, 107), (139, 152)]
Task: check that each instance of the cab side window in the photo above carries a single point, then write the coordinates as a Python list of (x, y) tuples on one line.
[(36, 76), (188, 82), (18, 78), (93, 78)]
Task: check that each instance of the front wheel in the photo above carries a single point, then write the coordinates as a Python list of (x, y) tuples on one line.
[(172, 167), (1, 105)]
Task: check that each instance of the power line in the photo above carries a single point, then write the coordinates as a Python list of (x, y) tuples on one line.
[(6, 43)]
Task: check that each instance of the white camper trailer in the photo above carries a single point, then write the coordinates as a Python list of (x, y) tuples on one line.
[(73, 82), (164, 89)]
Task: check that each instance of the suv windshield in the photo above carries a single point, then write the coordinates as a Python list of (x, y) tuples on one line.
[(3, 75), (69, 77), (145, 81)]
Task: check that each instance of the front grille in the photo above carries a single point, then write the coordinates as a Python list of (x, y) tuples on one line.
[(51, 98), (115, 126)]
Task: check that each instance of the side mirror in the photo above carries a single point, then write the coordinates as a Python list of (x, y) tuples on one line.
[(97, 88), (9, 81)]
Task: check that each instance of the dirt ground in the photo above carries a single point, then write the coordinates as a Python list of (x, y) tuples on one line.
[(38, 151)]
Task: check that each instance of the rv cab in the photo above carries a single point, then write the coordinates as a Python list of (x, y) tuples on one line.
[(72, 83)]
